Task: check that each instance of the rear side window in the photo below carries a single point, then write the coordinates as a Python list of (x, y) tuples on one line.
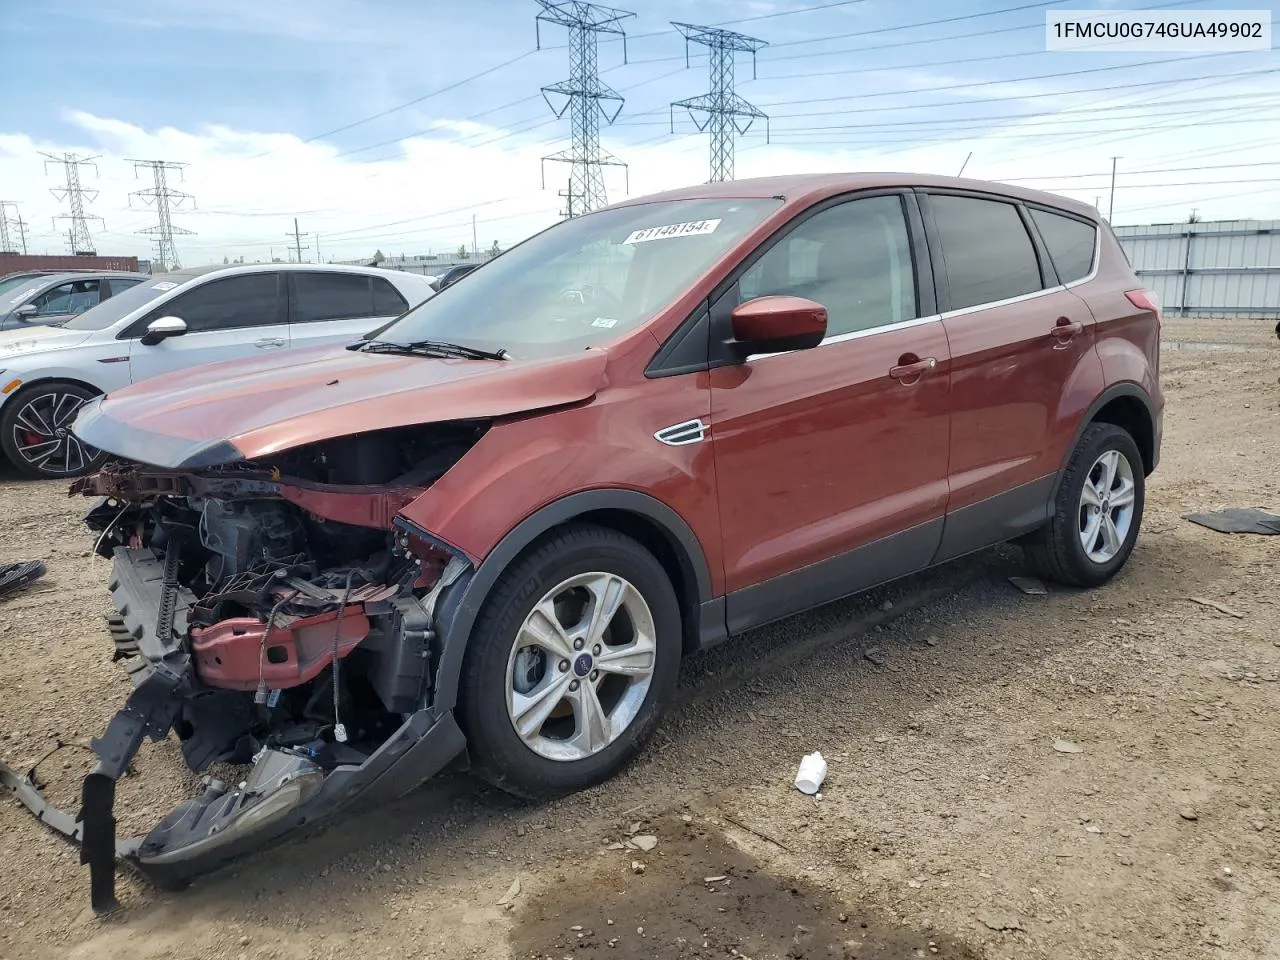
[(331, 296), (987, 250), (387, 301), (1071, 243)]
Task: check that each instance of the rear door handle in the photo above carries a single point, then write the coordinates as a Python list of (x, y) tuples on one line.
[(268, 342), (910, 372)]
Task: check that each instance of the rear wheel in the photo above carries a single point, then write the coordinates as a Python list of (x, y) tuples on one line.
[(35, 431), (571, 662), (1097, 511)]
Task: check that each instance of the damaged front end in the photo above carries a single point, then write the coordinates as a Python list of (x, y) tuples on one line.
[(275, 616)]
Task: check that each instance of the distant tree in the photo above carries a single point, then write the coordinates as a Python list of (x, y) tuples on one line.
[(495, 249), (1195, 217), (462, 252), (378, 257), (225, 260)]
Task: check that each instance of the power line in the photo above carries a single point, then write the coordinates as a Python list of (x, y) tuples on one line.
[(162, 196), (78, 235), (585, 97), (726, 111)]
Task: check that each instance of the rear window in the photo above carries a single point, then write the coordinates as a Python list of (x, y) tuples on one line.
[(1071, 243), (987, 250)]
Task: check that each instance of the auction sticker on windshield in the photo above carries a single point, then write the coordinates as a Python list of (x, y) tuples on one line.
[(690, 228)]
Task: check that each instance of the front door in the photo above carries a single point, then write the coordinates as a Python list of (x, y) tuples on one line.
[(831, 463), (226, 318)]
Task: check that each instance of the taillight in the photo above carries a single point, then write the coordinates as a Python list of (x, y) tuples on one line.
[(1145, 300)]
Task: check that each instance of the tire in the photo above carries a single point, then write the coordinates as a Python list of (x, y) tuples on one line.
[(49, 406), (554, 759), (1057, 551)]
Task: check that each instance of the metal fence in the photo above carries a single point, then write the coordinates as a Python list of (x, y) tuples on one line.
[(1209, 269)]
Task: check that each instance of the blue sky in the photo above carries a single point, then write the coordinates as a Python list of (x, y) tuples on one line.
[(248, 92)]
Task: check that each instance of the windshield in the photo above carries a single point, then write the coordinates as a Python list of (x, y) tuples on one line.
[(13, 290), (110, 311), (584, 281)]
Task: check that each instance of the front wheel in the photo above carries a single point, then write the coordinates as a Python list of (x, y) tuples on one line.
[(571, 662), (1096, 513), (35, 431)]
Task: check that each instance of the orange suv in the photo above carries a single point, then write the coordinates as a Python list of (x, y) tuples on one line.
[(492, 527)]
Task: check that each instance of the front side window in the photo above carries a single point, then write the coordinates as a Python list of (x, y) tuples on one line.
[(987, 250), (74, 297), (854, 259), (249, 300), (1071, 243), (585, 281)]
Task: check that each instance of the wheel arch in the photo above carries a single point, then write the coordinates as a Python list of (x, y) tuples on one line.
[(29, 385), (640, 516), (1125, 405)]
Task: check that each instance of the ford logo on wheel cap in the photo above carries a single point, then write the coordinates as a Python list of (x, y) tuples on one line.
[(582, 665)]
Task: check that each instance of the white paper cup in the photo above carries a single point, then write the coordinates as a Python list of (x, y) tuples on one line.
[(813, 770)]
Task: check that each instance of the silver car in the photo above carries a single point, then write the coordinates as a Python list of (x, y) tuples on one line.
[(53, 297)]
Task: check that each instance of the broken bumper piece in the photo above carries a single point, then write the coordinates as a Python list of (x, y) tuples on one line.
[(286, 788)]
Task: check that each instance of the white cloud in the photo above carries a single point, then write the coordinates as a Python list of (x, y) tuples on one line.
[(249, 185)]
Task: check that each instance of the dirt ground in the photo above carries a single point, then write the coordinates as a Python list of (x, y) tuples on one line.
[(1078, 775)]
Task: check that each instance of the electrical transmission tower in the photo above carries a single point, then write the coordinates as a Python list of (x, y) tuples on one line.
[(585, 98), (162, 196), (6, 244), (78, 236), (726, 112)]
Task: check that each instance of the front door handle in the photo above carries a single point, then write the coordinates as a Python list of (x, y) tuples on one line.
[(911, 370), (268, 343), (1064, 330)]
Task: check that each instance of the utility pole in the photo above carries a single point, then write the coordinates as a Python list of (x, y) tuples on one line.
[(585, 98), (317, 242), (1111, 204), (475, 246), (76, 196), (6, 245), (297, 239), (22, 234), (162, 196), (726, 112)]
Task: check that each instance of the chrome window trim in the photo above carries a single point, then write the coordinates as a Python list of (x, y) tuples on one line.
[(854, 335)]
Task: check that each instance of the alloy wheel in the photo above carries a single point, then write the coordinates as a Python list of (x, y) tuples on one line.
[(581, 666), (42, 434), (1106, 506)]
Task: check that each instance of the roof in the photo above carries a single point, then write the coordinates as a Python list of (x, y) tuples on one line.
[(805, 188), (61, 276), (231, 269)]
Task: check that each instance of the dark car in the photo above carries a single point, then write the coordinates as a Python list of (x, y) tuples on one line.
[(42, 298), (497, 526), (453, 275)]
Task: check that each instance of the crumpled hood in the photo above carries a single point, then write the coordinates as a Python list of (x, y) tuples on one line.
[(245, 409), (37, 339)]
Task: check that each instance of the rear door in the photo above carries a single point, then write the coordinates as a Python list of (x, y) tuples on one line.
[(338, 307), (1017, 339), (226, 318)]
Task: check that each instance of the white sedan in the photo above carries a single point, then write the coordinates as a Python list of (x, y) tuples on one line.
[(172, 322)]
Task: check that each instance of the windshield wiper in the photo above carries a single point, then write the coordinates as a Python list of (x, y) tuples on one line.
[(430, 348)]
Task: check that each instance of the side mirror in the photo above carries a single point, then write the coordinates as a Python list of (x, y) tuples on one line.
[(27, 311), (162, 328), (775, 324)]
